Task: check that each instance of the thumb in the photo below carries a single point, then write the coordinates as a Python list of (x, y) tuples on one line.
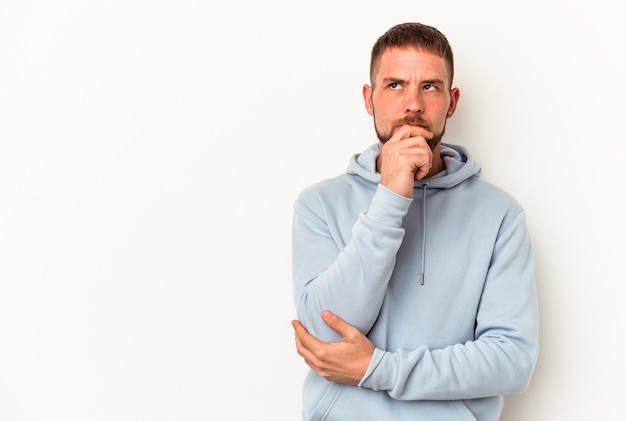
[(337, 324)]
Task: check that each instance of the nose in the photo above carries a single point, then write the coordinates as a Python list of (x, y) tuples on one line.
[(413, 101)]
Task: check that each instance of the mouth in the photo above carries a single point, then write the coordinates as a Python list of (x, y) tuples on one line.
[(412, 121), (412, 124)]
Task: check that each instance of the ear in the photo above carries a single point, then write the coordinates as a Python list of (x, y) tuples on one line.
[(455, 94), (367, 97)]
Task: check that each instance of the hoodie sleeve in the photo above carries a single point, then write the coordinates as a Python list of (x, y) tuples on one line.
[(502, 357), (348, 279)]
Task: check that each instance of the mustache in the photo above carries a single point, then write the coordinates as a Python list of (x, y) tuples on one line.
[(414, 120)]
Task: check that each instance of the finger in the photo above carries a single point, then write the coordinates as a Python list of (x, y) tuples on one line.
[(297, 325), (413, 151), (423, 169), (422, 157), (302, 350), (303, 337), (407, 131), (307, 355), (337, 324), (299, 330), (419, 131)]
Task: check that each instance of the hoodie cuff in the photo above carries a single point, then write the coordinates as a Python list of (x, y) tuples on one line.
[(367, 380), (388, 207)]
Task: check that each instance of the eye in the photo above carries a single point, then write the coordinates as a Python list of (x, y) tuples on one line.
[(429, 87), (394, 85)]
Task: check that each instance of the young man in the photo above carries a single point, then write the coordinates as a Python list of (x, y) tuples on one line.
[(413, 278)]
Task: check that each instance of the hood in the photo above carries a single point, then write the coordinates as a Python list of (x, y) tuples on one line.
[(459, 166)]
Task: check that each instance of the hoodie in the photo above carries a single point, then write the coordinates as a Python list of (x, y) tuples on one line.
[(442, 284)]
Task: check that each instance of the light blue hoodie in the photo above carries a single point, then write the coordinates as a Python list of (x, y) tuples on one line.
[(445, 350)]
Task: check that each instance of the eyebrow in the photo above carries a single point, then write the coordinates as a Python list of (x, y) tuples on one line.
[(393, 79), (400, 80), (434, 81)]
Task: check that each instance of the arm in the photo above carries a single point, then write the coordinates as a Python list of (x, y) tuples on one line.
[(350, 276), (351, 279), (499, 361)]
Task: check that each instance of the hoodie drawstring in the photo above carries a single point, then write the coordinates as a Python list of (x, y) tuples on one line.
[(424, 187)]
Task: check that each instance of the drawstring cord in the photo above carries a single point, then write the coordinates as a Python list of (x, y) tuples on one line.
[(424, 187)]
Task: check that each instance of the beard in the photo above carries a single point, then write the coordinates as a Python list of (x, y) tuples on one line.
[(385, 135)]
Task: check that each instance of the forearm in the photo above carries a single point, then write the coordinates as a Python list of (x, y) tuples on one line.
[(476, 369), (347, 276), (498, 359)]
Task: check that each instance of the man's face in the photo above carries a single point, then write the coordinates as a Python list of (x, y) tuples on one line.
[(410, 87)]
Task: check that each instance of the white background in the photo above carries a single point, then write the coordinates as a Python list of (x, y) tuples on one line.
[(150, 153)]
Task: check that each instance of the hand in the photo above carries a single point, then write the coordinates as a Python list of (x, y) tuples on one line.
[(344, 361), (404, 158)]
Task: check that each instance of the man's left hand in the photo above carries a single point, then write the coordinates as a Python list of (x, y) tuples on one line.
[(344, 361)]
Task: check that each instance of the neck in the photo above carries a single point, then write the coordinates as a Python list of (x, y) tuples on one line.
[(438, 164)]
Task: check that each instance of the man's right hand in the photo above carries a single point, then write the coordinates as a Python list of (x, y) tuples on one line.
[(404, 158)]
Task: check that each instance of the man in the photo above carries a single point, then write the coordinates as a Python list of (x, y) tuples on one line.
[(413, 278)]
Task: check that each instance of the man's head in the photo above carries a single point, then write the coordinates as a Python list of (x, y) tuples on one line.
[(416, 36), (411, 81)]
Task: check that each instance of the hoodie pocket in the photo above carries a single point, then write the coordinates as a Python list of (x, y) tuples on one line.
[(326, 403)]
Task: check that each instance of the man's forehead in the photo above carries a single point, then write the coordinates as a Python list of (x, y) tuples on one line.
[(396, 53), (410, 59)]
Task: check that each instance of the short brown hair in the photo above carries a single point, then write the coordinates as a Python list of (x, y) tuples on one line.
[(412, 35)]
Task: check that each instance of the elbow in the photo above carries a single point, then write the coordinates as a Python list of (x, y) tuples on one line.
[(524, 372)]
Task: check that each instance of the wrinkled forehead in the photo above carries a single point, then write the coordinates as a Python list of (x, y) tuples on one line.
[(396, 61)]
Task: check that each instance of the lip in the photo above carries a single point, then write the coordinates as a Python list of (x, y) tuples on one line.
[(413, 125)]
